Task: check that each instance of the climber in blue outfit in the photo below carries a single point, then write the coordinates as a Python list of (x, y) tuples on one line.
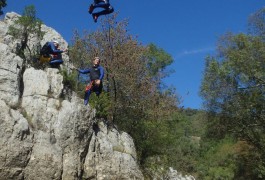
[(50, 52), (96, 76), (100, 4), (55, 53)]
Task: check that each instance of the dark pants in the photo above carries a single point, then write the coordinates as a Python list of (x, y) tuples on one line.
[(56, 60), (101, 1), (55, 63), (107, 8)]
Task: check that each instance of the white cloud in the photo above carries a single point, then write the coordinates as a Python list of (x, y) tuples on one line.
[(195, 51)]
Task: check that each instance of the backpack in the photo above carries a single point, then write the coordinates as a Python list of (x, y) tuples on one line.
[(45, 53), (45, 50)]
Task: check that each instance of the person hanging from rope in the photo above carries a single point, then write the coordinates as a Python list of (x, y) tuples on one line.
[(100, 4), (96, 76)]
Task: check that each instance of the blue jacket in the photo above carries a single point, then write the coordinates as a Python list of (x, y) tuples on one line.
[(93, 76), (53, 49)]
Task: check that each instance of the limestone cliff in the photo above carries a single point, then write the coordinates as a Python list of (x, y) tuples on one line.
[(45, 135)]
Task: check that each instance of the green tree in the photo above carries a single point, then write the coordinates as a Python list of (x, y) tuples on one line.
[(256, 23), (25, 26), (158, 60), (2, 4), (233, 89)]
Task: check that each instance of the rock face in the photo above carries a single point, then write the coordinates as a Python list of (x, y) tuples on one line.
[(10, 71), (46, 136), (110, 154)]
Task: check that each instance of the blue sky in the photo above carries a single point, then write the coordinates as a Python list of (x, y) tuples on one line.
[(186, 29)]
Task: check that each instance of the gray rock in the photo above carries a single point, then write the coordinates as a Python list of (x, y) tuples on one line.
[(111, 156), (15, 143), (10, 69)]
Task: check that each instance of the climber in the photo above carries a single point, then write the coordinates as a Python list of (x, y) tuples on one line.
[(100, 4), (51, 53), (96, 77)]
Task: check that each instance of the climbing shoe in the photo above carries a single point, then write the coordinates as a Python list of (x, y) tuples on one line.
[(91, 8)]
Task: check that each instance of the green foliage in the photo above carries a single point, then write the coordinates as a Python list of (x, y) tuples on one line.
[(24, 27), (233, 89), (69, 79), (256, 23), (71, 83), (157, 59), (219, 161), (185, 144), (173, 142), (227, 141), (155, 166), (101, 104)]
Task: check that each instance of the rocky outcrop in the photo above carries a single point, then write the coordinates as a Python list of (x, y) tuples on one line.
[(110, 154), (45, 135)]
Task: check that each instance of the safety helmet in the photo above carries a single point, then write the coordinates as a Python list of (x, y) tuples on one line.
[(56, 42)]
